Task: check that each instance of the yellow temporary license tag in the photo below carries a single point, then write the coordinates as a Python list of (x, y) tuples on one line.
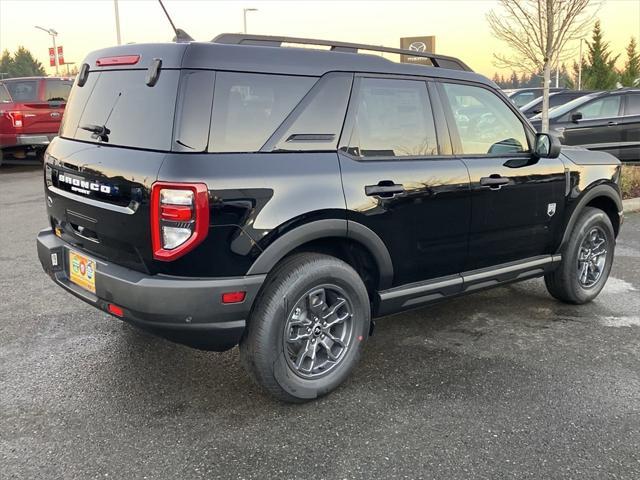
[(82, 271)]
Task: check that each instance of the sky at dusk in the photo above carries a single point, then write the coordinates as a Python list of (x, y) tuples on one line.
[(459, 25)]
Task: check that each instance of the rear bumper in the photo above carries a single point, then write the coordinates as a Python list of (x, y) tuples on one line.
[(26, 140), (188, 311)]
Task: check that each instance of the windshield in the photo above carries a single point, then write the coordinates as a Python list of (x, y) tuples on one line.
[(557, 112)]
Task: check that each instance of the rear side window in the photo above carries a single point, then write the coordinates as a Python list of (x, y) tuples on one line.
[(57, 90), (393, 119), (248, 108), (485, 124), (633, 105), (134, 114), (23, 90)]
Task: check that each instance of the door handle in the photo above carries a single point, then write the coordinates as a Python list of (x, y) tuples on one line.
[(612, 124), (384, 189), (495, 181)]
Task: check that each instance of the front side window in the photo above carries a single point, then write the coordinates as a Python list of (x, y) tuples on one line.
[(485, 124), (249, 107), (601, 108), (393, 119)]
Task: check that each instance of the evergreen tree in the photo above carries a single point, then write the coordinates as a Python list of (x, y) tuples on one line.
[(631, 74), (25, 65), (513, 80), (598, 70), (565, 77), (21, 64), (5, 64)]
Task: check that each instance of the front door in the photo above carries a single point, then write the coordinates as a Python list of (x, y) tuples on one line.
[(517, 200), (596, 124), (398, 183)]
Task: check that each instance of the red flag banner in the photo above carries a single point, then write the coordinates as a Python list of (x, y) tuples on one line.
[(52, 57), (60, 56)]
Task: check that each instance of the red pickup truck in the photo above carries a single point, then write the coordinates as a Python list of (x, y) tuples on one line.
[(30, 114)]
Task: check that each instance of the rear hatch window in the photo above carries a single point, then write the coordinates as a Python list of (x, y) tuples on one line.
[(132, 113)]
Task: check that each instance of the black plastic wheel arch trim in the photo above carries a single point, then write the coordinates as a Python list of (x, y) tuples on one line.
[(328, 228), (604, 190)]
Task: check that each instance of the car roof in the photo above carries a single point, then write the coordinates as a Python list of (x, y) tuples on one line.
[(275, 60)]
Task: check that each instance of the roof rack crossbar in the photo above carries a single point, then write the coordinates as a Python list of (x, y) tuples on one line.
[(441, 61)]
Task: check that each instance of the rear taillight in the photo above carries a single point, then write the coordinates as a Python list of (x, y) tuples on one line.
[(179, 218), (16, 119)]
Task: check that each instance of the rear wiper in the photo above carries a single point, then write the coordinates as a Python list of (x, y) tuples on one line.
[(99, 131)]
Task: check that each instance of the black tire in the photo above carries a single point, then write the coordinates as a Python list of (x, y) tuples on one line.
[(263, 349), (564, 283)]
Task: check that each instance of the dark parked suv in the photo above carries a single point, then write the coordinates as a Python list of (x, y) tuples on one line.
[(241, 192), (604, 121)]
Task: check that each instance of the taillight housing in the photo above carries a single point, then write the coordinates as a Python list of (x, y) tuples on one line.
[(16, 119), (179, 218)]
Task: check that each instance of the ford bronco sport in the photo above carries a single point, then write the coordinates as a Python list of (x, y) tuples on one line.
[(241, 192)]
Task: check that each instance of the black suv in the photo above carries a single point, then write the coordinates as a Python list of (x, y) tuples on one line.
[(556, 99), (242, 192), (605, 121)]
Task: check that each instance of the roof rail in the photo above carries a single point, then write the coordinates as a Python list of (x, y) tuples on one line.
[(441, 61)]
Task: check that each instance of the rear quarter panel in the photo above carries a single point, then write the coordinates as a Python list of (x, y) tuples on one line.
[(254, 199)]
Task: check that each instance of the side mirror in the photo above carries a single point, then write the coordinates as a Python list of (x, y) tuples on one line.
[(547, 146), (576, 116)]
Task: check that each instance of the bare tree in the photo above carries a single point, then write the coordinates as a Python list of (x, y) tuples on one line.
[(538, 31)]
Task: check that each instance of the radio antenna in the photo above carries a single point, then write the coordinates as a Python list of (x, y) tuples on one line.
[(181, 35)]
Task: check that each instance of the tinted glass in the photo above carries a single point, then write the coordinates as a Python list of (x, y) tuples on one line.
[(601, 108), (248, 108), (23, 90), (485, 123), (633, 105), (4, 95), (193, 116), (393, 118), (521, 99), (135, 115), (57, 90), (318, 125)]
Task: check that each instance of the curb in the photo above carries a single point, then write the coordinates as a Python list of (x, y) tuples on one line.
[(631, 205)]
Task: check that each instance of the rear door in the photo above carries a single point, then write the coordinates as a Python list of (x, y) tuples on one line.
[(517, 201), (630, 125), (400, 179)]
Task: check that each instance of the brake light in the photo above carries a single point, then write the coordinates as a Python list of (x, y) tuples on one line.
[(118, 60), (179, 218), (16, 119)]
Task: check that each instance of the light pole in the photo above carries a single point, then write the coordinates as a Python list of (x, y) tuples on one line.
[(244, 16), (53, 34), (580, 67), (115, 7)]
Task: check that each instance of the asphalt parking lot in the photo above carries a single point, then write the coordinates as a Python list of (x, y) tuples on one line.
[(502, 384)]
